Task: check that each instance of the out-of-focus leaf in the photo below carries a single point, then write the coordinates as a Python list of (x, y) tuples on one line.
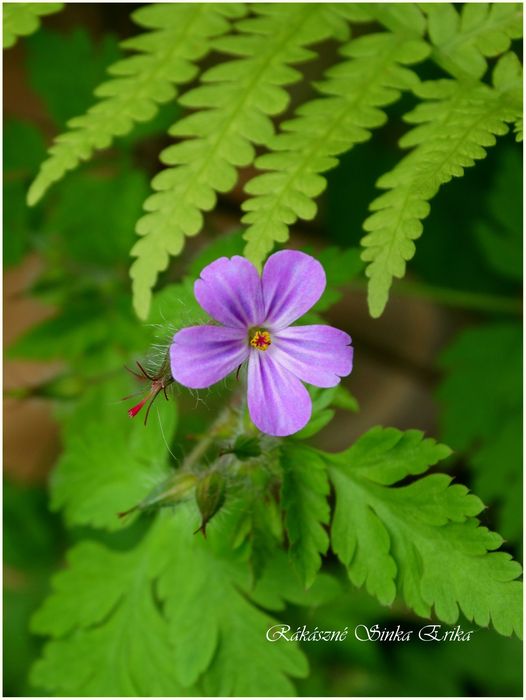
[(23, 150), (68, 92), (30, 534), (482, 414), (500, 234), (103, 232), (341, 267)]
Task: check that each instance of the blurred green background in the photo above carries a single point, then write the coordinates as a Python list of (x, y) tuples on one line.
[(444, 358)]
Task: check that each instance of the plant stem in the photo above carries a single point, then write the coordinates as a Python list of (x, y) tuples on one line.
[(204, 443), (461, 299), (456, 298)]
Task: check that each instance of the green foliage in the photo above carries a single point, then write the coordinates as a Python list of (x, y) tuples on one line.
[(232, 645), (178, 36), (456, 123), (233, 106), (68, 93), (463, 40), (99, 240), (354, 90), (499, 233), (143, 606), (23, 149), (304, 493), (31, 541), (421, 540), (482, 414), (324, 403), (102, 633), (23, 18), (236, 100), (107, 467)]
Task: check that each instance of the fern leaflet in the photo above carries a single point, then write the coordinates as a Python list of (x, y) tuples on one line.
[(179, 35), (23, 18), (456, 123), (354, 90), (462, 41), (236, 101)]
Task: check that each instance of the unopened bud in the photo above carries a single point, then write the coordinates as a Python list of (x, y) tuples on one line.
[(210, 496), (246, 447), (171, 492)]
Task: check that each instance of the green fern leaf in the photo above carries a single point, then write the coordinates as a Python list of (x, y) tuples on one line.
[(398, 17), (23, 18), (519, 129), (179, 35), (236, 101), (324, 128), (457, 122), (421, 540), (463, 40)]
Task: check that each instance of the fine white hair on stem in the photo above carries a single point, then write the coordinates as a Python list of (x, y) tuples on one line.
[(164, 436)]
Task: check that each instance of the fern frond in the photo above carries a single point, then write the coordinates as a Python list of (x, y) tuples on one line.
[(397, 17), (180, 34), (235, 101), (354, 93), (23, 18), (463, 40), (456, 123), (518, 129)]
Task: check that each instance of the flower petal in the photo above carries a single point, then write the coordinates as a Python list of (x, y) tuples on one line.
[(278, 402), (203, 355), (318, 355), (292, 283), (230, 291)]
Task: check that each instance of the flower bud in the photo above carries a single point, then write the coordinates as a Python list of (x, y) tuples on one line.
[(171, 492), (246, 447), (210, 496)]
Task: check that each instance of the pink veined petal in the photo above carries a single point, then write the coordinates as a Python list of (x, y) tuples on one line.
[(278, 402), (230, 291), (203, 355), (292, 283), (318, 355)]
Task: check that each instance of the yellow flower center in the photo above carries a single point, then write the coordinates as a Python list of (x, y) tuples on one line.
[(260, 340)]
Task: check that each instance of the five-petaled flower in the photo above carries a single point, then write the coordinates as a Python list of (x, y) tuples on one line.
[(256, 314)]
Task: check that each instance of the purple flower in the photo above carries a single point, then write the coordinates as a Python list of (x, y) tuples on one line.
[(256, 314)]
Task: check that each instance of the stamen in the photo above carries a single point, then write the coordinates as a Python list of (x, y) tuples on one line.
[(261, 340)]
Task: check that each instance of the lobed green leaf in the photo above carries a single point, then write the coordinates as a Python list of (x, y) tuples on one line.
[(421, 541), (304, 493)]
